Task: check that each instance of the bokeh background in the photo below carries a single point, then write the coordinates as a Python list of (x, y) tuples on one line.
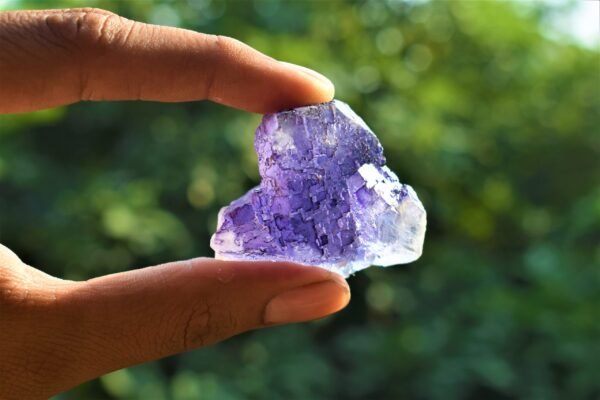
[(489, 109)]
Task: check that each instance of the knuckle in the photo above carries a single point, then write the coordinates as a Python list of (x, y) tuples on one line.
[(7, 257), (196, 326), (226, 44), (89, 35), (224, 50), (23, 288), (221, 49), (84, 29), (206, 324), (12, 285)]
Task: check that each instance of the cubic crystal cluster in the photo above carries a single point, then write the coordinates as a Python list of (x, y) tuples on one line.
[(326, 197)]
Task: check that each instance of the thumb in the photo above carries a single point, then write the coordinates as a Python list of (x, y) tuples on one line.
[(132, 317), (57, 57)]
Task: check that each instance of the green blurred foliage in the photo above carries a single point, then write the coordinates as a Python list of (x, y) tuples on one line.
[(496, 127)]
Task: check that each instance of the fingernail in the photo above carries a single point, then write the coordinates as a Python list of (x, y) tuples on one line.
[(308, 302), (313, 74)]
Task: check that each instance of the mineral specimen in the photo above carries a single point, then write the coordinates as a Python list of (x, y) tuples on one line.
[(326, 197)]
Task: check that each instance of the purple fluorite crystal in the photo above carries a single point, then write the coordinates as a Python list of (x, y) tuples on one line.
[(326, 197)]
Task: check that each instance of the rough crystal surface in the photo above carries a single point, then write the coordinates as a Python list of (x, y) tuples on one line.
[(326, 197)]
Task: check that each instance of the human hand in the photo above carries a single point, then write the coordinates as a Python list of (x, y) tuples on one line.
[(55, 334)]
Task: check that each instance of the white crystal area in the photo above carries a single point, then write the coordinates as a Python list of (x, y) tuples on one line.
[(393, 229)]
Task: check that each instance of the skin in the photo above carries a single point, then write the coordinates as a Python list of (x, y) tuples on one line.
[(56, 334)]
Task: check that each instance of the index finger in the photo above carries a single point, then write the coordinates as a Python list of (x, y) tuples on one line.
[(57, 57)]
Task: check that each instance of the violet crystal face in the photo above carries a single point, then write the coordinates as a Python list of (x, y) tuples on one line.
[(326, 197)]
